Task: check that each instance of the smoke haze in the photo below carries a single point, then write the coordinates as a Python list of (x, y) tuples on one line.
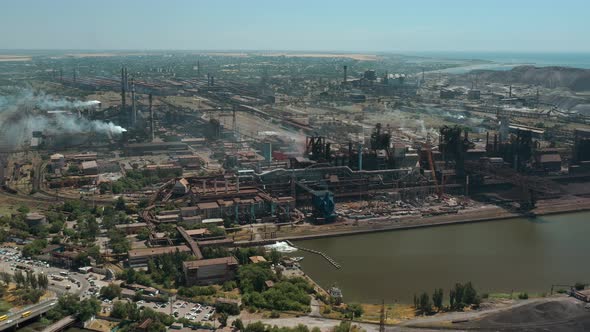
[(22, 111)]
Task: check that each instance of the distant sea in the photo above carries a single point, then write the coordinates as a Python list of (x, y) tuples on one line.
[(507, 60)]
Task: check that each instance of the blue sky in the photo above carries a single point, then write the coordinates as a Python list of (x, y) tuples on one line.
[(362, 25)]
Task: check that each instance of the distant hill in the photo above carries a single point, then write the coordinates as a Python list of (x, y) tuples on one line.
[(550, 77)]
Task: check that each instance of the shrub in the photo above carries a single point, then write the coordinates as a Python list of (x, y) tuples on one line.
[(274, 314), (579, 286), (523, 296)]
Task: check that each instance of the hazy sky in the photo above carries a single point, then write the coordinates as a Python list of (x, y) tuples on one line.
[(360, 25)]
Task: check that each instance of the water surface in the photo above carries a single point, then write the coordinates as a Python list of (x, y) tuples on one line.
[(497, 256)]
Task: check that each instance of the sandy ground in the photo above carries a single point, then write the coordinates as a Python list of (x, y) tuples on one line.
[(7, 58), (360, 57), (548, 314)]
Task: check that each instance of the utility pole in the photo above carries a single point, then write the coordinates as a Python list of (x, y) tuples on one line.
[(382, 317)]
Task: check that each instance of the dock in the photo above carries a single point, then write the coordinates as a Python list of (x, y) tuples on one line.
[(326, 257)]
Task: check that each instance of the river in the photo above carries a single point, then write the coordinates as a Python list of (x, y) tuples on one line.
[(497, 256)]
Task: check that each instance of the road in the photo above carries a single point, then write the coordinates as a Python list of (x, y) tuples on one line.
[(35, 310), (326, 324), (15, 318)]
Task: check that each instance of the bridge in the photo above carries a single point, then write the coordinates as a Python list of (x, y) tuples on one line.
[(60, 324), (192, 244), (17, 318)]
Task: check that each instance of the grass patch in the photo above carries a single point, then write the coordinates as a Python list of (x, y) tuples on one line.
[(513, 296), (395, 313), (4, 307)]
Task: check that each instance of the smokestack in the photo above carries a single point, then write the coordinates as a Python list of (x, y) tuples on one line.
[(152, 129), (345, 74), (495, 143), (126, 80), (510, 92), (122, 91), (360, 147), (212, 80), (133, 109)]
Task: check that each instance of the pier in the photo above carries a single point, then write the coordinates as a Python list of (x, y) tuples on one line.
[(326, 257)]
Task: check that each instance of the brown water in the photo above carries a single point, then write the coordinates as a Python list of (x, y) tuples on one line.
[(497, 256)]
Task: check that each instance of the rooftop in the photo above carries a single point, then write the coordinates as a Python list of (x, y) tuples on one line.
[(257, 259), (147, 252), (89, 164), (208, 262)]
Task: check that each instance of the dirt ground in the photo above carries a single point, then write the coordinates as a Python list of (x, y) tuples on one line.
[(563, 314)]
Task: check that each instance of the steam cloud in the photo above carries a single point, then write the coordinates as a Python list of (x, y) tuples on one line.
[(22, 112)]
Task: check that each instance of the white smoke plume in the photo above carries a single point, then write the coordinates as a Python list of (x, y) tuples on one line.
[(22, 111)]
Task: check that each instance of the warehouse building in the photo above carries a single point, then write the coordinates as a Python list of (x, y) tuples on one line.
[(140, 257), (210, 271)]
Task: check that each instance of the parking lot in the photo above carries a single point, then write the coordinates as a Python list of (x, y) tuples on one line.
[(179, 309), (61, 280)]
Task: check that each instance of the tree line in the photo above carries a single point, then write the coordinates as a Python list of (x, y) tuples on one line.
[(460, 296)]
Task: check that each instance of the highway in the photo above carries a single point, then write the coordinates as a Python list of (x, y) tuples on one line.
[(58, 288), (14, 319)]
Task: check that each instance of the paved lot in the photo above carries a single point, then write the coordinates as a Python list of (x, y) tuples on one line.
[(179, 309), (11, 261)]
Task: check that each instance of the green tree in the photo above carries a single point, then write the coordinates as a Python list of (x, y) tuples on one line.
[(32, 279), (344, 326), (110, 291), (88, 308), (19, 279), (424, 304), (437, 298), (143, 234), (223, 319), (43, 281), (120, 310), (274, 256), (238, 324), (120, 204), (6, 278), (355, 310), (252, 277)]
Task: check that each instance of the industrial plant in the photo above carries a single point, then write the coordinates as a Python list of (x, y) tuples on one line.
[(196, 156)]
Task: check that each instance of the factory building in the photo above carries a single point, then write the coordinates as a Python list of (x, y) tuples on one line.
[(181, 187), (210, 271), (131, 228), (140, 257), (57, 161), (89, 167), (34, 219)]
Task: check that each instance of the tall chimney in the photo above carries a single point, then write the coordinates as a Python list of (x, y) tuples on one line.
[(126, 80), (345, 74), (133, 109), (510, 92), (122, 91), (152, 129), (212, 80)]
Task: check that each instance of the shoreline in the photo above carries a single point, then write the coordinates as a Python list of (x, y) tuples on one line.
[(547, 208)]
